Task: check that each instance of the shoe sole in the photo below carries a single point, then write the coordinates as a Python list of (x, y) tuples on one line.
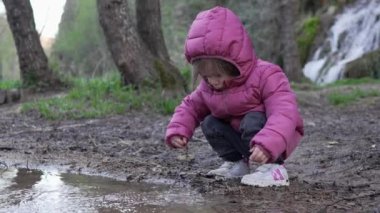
[(224, 176), (221, 174), (265, 183)]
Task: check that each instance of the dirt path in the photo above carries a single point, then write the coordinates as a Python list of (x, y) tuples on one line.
[(335, 169)]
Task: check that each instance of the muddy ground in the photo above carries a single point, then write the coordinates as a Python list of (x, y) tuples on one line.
[(336, 168)]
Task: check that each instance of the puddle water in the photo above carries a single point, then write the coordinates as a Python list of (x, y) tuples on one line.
[(25, 190)]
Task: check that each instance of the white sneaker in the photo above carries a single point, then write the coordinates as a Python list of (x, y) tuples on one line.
[(267, 175), (231, 169)]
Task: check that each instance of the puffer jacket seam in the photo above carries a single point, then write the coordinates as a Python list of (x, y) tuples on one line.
[(242, 46), (223, 30), (207, 32)]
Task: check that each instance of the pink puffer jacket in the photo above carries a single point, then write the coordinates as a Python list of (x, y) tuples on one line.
[(261, 86)]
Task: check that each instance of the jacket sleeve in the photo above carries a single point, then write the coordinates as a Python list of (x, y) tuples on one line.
[(187, 116), (281, 111)]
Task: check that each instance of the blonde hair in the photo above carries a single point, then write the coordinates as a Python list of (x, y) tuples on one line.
[(211, 66)]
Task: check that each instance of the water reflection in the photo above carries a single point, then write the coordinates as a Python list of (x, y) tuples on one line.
[(25, 190)]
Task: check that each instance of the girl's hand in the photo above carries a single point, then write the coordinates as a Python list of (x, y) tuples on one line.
[(258, 155), (178, 142)]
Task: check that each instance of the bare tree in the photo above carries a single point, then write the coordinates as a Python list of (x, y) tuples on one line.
[(140, 54), (32, 59)]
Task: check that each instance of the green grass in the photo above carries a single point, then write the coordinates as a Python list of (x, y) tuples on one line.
[(305, 86), (348, 96), (345, 98), (310, 86), (100, 97), (342, 96), (10, 85), (349, 82)]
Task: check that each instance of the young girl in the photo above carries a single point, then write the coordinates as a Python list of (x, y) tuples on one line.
[(245, 106)]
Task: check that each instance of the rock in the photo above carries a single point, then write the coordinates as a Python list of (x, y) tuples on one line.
[(13, 95), (366, 66), (3, 96), (10, 96)]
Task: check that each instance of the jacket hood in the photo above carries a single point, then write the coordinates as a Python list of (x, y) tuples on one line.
[(219, 33)]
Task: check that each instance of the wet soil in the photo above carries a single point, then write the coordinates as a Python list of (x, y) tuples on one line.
[(336, 168)]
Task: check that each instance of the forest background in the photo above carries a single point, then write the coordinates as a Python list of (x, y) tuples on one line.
[(83, 58)]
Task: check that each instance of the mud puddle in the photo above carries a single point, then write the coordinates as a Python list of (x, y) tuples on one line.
[(26, 190)]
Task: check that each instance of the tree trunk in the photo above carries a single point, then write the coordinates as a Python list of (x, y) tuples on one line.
[(266, 30), (291, 59), (130, 56), (221, 2), (32, 59), (140, 60), (148, 15)]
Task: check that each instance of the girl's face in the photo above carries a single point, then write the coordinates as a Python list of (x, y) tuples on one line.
[(217, 80), (216, 72)]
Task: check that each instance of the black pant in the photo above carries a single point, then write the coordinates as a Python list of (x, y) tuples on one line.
[(230, 144)]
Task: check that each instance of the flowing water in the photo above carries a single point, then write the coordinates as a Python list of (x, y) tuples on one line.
[(355, 32), (25, 190)]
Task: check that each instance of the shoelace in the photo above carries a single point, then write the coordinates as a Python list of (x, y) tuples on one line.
[(264, 168)]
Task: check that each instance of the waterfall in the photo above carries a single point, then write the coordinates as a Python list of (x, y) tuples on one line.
[(355, 32)]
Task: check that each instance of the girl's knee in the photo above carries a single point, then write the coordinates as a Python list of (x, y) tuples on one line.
[(254, 120), (210, 121), (212, 126)]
